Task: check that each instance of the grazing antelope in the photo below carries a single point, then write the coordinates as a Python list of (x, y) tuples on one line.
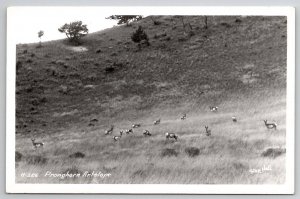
[(208, 131), (272, 125), (183, 117), (147, 133), (37, 144), (127, 131), (234, 119), (213, 108), (116, 138), (171, 135), (136, 125), (109, 131), (156, 122)]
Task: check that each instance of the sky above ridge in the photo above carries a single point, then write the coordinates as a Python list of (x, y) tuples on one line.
[(30, 20)]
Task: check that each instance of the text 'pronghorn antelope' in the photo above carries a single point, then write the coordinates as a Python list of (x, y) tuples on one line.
[(37, 144), (147, 133), (272, 125), (171, 135)]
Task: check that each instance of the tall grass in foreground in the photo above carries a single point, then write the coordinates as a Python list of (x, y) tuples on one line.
[(225, 157)]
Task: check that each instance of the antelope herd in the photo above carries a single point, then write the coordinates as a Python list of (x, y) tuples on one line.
[(173, 136)]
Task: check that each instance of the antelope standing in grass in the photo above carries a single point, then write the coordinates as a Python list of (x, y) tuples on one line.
[(234, 119), (147, 133), (109, 131), (183, 117), (121, 133), (171, 135), (156, 122), (272, 125), (136, 125), (208, 131), (127, 131), (37, 144), (116, 138), (213, 108)]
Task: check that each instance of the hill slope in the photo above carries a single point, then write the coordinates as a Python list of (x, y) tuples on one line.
[(237, 64)]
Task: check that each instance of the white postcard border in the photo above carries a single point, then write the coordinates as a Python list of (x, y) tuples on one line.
[(286, 188)]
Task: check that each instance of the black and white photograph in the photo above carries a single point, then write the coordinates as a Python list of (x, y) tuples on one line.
[(182, 100)]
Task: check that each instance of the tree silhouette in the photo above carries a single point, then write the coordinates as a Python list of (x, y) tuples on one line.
[(125, 19), (40, 34), (74, 31)]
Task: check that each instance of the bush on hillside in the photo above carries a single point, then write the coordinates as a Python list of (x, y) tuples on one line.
[(192, 151), (273, 152), (109, 69), (77, 155), (238, 21), (155, 22), (36, 159), (140, 36), (169, 152)]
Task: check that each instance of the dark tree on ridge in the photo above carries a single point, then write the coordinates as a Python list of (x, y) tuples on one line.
[(125, 19), (74, 31)]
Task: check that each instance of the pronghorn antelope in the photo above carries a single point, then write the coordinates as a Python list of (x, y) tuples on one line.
[(121, 133), (127, 131), (183, 117), (208, 131), (37, 144), (109, 131), (272, 125), (116, 138), (234, 119), (136, 125), (213, 108), (171, 135), (147, 133), (156, 122)]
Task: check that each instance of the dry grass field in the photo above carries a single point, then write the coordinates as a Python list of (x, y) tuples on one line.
[(67, 99)]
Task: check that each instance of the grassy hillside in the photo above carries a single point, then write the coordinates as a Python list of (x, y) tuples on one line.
[(237, 64)]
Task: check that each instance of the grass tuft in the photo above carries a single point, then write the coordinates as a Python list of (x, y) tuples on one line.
[(77, 155), (169, 152), (192, 151)]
